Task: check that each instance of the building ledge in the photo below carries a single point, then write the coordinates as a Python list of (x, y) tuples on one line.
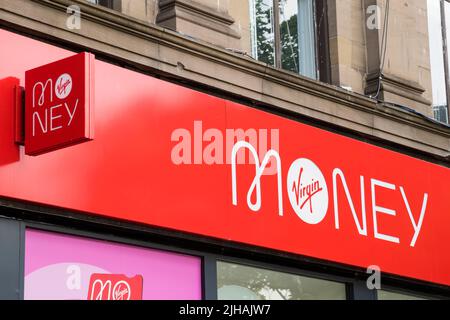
[(161, 52), (172, 11)]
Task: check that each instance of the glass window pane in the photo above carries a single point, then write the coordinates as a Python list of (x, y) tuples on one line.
[(388, 295), (262, 24), (64, 267), (297, 30), (238, 282), (437, 60), (447, 19), (289, 35), (105, 3)]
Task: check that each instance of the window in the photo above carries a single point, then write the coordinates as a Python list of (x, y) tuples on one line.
[(238, 282), (65, 267), (292, 35), (438, 24)]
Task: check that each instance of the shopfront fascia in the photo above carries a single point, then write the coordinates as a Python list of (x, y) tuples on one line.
[(169, 159)]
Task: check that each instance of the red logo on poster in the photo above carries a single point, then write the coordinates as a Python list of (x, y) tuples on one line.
[(115, 287), (59, 104)]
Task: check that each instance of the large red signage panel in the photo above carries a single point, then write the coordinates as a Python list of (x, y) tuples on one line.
[(59, 104), (168, 156)]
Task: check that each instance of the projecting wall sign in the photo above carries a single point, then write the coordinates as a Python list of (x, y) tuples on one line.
[(59, 104)]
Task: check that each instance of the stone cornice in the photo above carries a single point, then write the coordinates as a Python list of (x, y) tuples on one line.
[(153, 49), (197, 14), (401, 87), (200, 9)]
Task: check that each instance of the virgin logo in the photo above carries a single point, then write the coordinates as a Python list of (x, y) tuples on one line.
[(122, 291), (63, 86), (307, 191), (115, 287)]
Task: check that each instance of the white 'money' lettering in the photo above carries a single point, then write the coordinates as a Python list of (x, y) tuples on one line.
[(256, 184), (416, 226), (361, 229), (360, 221), (70, 113), (376, 209)]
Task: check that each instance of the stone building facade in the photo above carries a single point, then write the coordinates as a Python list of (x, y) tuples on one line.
[(209, 43)]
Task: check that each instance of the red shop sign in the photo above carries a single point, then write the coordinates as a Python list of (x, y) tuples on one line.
[(59, 104), (115, 287), (157, 159)]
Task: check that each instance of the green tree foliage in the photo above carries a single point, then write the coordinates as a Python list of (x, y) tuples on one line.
[(289, 44), (264, 32), (265, 37)]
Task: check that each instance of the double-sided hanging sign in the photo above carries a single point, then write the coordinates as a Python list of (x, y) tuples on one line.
[(59, 104)]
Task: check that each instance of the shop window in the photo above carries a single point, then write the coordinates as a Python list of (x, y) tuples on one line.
[(239, 282), (62, 267), (292, 35), (439, 36), (391, 295)]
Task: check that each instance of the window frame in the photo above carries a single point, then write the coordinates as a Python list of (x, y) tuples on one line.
[(321, 38)]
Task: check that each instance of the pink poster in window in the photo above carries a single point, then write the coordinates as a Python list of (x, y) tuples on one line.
[(61, 267)]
